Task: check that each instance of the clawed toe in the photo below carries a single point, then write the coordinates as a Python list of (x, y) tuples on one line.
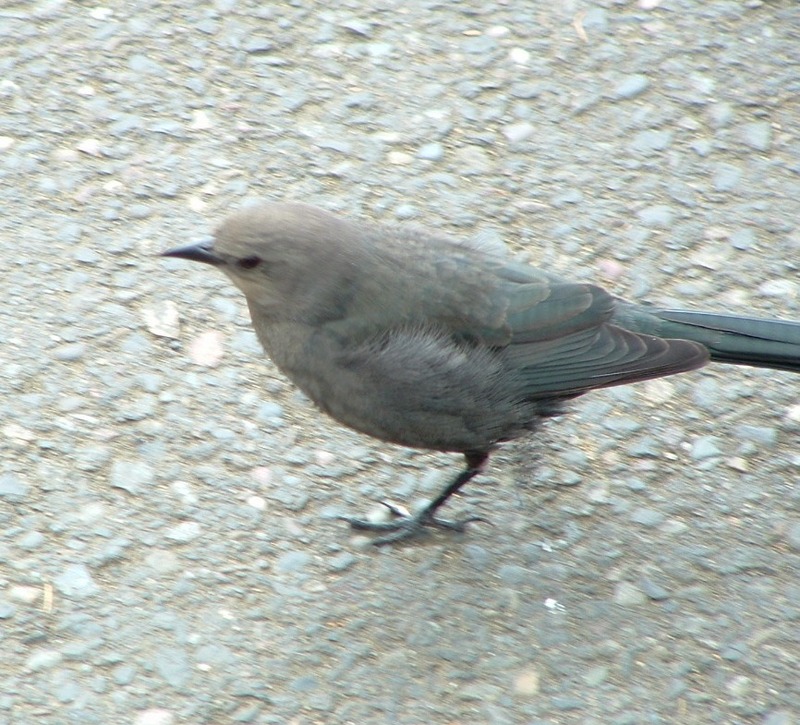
[(406, 525)]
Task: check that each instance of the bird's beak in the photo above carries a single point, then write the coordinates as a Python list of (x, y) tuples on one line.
[(202, 251)]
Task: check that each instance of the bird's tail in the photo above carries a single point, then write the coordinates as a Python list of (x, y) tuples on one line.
[(729, 338)]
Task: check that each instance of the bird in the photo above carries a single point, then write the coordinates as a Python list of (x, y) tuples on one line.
[(432, 342)]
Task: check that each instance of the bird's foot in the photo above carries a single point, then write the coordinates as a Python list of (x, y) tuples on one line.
[(406, 525)]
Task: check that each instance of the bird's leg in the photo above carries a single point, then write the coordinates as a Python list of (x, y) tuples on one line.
[(406, 526)]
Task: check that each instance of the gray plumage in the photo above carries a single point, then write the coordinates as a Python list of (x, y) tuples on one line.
[(428, 342)]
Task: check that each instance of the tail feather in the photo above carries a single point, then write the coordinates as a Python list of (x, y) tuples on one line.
[(729, 338), (739, 340)]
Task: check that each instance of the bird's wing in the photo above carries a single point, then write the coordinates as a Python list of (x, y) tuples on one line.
[(563, 343), (555, 336)]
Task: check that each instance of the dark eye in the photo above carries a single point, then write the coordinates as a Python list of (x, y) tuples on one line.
[(248, 262)]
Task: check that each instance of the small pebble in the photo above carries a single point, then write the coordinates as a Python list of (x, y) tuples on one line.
[(779, 288), (757, 135), (647, 517), (517, 132), (342, 561), (520, 56), (743, 239), (653, 591), (131, 476), (764, 435), (726, 177), (513, 575), (43, 659), (658, 215), (705, 447), (431, 152), (628, 595), (86, 255), (31, 540), (12, 488), (631, 86), (184, 532), (292, 561), (154, 716), (76, 582), (527, 683), (70, 352)]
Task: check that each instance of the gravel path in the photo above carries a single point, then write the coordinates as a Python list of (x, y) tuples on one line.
[(168, 550)]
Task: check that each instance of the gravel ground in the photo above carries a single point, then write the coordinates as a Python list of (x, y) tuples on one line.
[(169, 552)]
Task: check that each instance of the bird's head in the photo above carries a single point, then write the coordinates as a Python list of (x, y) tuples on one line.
[(281, 255)]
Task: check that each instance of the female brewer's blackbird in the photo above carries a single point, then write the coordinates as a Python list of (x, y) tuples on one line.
[(430, 342)]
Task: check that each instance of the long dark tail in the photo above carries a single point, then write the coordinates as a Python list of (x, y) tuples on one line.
[(729, 338)]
